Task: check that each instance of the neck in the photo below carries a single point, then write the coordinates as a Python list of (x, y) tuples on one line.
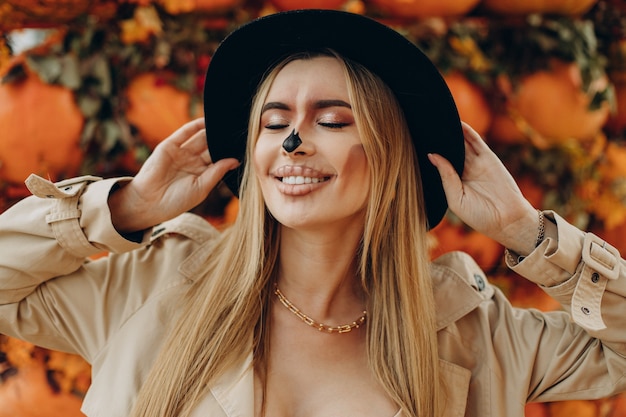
[(318, 273)]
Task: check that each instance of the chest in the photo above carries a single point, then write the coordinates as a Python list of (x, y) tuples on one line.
[(311, 374)]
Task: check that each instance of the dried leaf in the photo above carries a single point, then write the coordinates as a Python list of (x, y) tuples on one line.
[(89, 105), (49, 68)]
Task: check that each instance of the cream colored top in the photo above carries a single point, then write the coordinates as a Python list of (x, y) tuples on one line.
[(493, 358)]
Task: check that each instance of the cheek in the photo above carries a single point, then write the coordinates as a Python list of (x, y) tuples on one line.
[(260, 159), (356, 169), (357, 161)]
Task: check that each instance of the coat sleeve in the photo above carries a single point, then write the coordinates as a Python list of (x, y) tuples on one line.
[(51, 294), (582, 354)]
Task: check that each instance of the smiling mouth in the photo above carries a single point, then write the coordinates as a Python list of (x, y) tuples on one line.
[(298, 179)]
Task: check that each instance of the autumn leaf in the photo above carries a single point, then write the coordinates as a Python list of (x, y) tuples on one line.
[(144, 24)]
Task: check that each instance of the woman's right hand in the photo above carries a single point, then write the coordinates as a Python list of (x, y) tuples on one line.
[(175, 178)]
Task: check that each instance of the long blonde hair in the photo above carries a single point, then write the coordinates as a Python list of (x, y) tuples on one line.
[(225, 311)]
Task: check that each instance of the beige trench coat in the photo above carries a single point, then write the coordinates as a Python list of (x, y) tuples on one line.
[(113, 312)]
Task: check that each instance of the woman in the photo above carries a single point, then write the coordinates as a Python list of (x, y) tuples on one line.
[(320, 299)]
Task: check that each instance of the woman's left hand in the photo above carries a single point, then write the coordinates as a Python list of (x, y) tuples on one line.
[(486, 197)]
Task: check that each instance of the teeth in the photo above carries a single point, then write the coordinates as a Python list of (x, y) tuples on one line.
[(302, 180)]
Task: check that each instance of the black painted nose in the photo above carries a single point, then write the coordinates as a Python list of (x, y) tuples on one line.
[(292, 142)]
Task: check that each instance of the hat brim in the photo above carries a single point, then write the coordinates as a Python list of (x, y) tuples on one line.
[(244, 57)]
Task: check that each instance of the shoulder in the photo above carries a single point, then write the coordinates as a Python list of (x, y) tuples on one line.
[(188, 241), (173, 253), (187, 226), (459, 268), (460, 287)]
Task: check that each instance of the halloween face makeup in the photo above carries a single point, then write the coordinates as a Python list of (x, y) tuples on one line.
[(323, 180), (292, 142)]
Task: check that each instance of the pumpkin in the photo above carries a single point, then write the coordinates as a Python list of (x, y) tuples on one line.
[(456, 237), (525, 294), (41, 129), (470, 101), (231, 211), (536, 410), (548, 108), (157, 108), (307, 4), (578, 408), (616, 236), (606, 196), (17, 14), (28, 393), (186, 6), (522, 7), (532, 191), (619, 406), (424, 8)]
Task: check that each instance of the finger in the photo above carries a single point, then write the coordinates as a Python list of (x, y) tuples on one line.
[(185, 132), (214, 174), (474, 142), (452, 184), (196, 144)]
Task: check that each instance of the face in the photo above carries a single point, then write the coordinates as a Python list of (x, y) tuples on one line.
[(325, 180)]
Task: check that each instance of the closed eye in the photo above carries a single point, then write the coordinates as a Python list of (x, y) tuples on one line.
[(276, 126), (334, 125)]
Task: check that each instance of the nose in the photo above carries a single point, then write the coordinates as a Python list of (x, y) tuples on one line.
[(292, 142)]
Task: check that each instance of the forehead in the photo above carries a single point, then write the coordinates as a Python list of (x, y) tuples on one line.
[(316, 75)]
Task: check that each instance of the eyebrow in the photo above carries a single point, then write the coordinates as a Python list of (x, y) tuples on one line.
[(320, 104)]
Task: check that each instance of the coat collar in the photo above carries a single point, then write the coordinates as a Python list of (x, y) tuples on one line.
[(459, 286)]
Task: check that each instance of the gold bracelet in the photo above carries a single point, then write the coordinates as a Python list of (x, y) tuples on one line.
[(542, 228)]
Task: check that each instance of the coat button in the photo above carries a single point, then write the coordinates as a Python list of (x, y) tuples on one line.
[(157, 231), (585, 311), (480, 282), (595, 277)]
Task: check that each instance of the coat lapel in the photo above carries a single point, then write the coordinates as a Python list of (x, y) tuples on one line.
[(232, 395)]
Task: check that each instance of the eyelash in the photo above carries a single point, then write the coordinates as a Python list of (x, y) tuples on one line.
[(337, 125)]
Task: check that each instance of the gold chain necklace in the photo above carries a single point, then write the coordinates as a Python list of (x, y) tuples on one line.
[(319, 326)]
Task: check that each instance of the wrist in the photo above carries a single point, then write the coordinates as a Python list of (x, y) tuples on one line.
[(127, 214), (523, 236)]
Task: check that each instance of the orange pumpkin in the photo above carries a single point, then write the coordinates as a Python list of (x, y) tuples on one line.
[(28, 394), (605, 195), (518, 7), (619, 406), (533, 192), (536, 410), (549, 108), (455, 237), (578, 408), (307, 4), (157, 108), (424, 8), (186, 6), (41, 128), (16, 14), (525, 294), (470, 101), (616, 236)]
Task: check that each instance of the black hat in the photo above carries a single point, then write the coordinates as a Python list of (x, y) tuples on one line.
[(244, 56)]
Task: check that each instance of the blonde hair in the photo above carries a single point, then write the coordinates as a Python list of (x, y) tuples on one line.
[(225, 312)]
